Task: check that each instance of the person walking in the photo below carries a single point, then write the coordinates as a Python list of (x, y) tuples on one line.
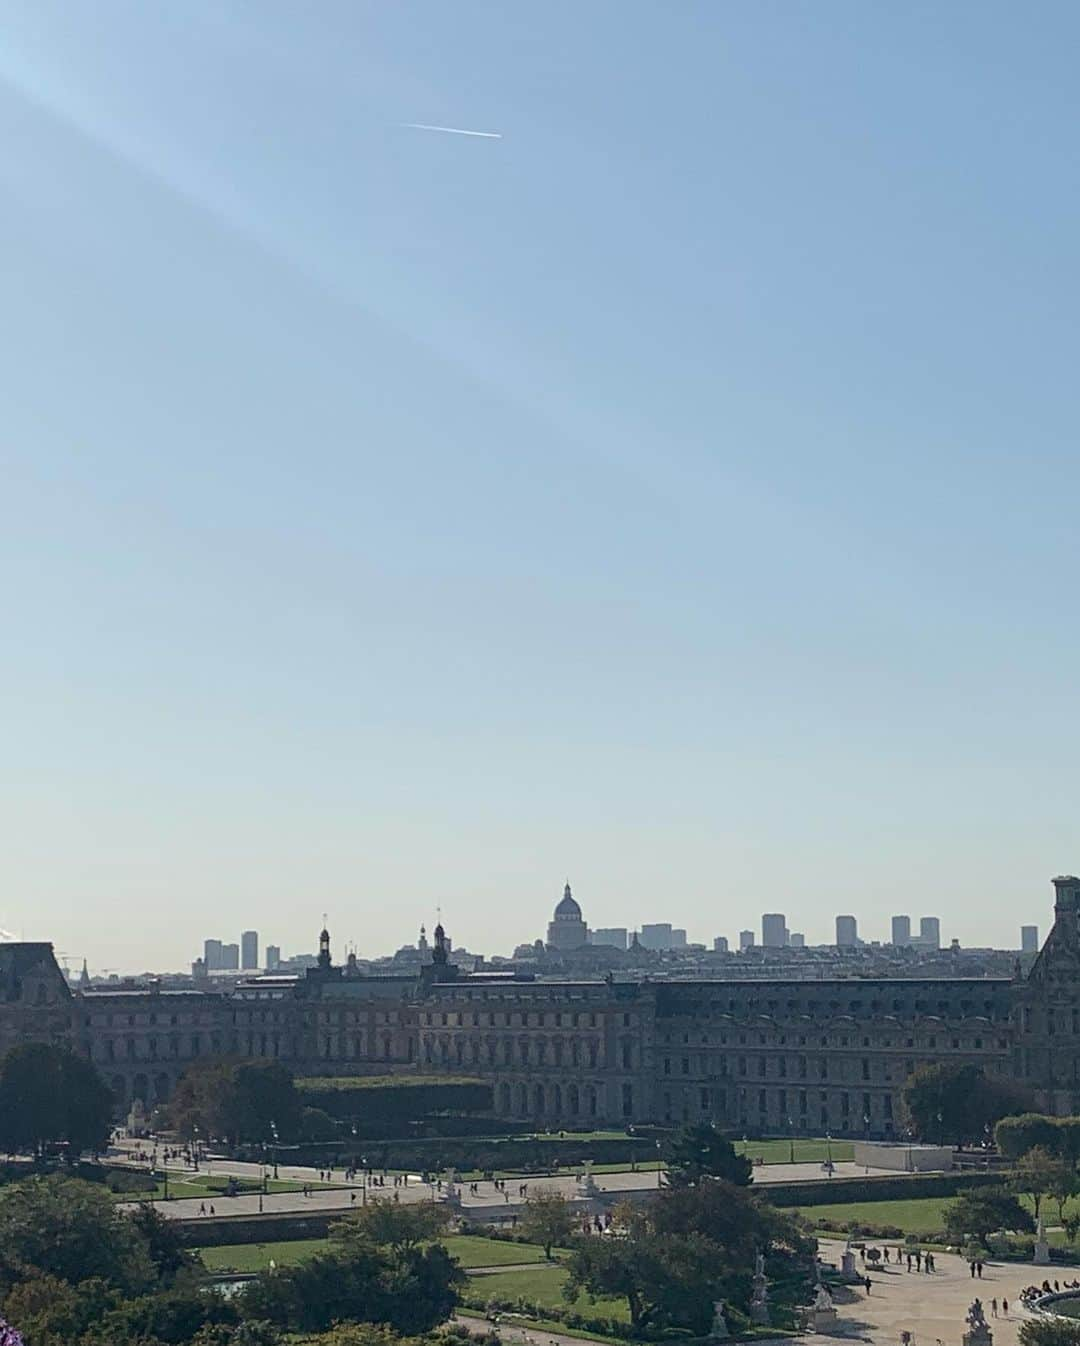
[(1004, 1306), (993, 1308), (868, 1285)]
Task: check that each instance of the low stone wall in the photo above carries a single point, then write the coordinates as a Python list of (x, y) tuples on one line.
[(268, 1228), (904, 1158)]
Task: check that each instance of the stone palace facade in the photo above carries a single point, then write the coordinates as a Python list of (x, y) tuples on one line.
[(784, 1056)]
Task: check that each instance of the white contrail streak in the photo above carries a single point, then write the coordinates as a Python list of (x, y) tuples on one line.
[(451, 130)]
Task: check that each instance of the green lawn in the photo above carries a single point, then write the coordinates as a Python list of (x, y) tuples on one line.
[(470, 1249), (212, 1188), (256, 1256), (542, 1285), (920, 1215)]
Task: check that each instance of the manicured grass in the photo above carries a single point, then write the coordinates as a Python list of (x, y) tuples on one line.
[(256, 1256), (543, 1286), (920, 1215), (471, 1250)]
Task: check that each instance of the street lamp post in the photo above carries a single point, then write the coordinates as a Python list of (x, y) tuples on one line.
[(274, 1133), (866, 1142), (659, 1167), (791, 1140)]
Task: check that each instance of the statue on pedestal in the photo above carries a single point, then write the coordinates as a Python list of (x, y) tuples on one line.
[(823, 1312), (1042, 1248), (978, 1333), (759, 1300), (586, 1183)]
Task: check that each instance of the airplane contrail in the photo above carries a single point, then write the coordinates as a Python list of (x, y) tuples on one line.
[(451, 130)]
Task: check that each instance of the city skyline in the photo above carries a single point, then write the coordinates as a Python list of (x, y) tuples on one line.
[(671, 492), (225, 956)]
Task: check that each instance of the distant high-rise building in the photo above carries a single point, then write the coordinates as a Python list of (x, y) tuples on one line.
[(1029, 939), (720, 944), (678, 939), (901, 931), (198, 970), (614, 936), (796, 940), (273, 957), (230, 957), (847, 932), (212, 954), (656, 936), (930, 932), (746, 940), (774, 930), (249, 950)]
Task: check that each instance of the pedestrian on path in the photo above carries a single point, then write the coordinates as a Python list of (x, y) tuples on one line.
[(1005, 1306), (993, 1308), (868, 1285)]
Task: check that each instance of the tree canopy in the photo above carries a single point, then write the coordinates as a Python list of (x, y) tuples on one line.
[(981, 1213), (386, 1224), (72, 1230), (50, 1096), (691, 1246), (701, 1151), (547, 1219), (958, 1103), (237, 1101)]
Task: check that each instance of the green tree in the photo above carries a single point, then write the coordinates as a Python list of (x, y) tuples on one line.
[(957, 1103), (410, 1292), (1014, 1136), (736, 1220), (164, 1245), (701, 1151), (387, 1224), (664, 1279), (50, 1096), (547, 1219), (980, 1214), (1040, 1173), (1049, 1332), (63, 1227), (51, 1312), (237, 1101)]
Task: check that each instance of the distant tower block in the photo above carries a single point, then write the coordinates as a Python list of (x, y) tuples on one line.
[(847, 932)]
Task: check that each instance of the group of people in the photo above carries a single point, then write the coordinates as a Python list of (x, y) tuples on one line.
[(1032, 1292), (917, 1260)]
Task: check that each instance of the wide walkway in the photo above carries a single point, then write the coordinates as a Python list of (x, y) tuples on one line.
[(933, 1307), (488, 1202)]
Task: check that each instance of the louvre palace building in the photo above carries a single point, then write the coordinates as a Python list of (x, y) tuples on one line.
[(765, 1056)]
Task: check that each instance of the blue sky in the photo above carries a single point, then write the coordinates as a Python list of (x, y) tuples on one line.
[(676, 494)]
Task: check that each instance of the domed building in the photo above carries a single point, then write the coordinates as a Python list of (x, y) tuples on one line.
[(567, 929)]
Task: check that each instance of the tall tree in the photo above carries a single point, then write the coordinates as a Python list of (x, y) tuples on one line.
[(50, 1096), (386, 1224), (237, 1101), (981, 1213), (63, 1227), (547, 1219), (958, 1103), (1040, 1173), (701, 1151)]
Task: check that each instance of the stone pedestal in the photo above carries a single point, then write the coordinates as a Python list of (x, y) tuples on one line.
[(586, 1183), (848, 1269), (719, 1330), (759, 1301), (822, 1315), (1042, 1248), (978, 1333)]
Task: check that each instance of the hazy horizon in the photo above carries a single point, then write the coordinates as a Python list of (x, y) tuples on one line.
[(671, 494)]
